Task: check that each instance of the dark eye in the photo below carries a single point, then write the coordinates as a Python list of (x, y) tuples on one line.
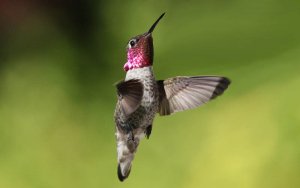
[(132, 43)]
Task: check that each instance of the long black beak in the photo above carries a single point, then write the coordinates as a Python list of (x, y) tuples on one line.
[(153, 26)]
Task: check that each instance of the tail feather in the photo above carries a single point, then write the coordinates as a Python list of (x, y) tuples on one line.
[(126, 150), (125, 158), (120, 173)]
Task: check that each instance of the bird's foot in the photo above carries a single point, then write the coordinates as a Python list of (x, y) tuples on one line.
[(131, 143), (148, 131)]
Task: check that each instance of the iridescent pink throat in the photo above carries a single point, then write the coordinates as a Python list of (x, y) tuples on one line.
[(136, 59)]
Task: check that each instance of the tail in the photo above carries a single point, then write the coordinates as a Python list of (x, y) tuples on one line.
[(126, 150), (123, 173)]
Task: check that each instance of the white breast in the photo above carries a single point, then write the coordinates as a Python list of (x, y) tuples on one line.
[(150, 97), (140, 73)]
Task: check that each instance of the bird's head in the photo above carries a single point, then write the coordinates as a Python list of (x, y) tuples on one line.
[(140, 49)]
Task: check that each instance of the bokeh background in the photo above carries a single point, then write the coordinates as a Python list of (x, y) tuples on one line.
[(60, 59)]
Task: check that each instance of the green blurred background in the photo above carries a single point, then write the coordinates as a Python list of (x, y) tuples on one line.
[(58, 63)]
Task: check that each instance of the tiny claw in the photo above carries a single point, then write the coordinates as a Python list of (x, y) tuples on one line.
[(148, 131), (131, 143)]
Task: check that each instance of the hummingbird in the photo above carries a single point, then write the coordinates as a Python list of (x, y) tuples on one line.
[(141, 97)]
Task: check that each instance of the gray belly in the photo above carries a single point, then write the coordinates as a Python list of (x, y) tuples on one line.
[(144, 115)]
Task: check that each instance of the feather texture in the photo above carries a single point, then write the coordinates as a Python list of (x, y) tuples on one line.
[(182, 93), (130, 95)]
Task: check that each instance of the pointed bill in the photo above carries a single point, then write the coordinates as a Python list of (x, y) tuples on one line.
[(155, 23)]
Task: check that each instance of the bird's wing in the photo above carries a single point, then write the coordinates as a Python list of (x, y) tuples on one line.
[(130, 95), (183, 93)]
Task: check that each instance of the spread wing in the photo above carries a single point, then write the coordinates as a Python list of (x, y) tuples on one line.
[(183, 93), (130, 95)]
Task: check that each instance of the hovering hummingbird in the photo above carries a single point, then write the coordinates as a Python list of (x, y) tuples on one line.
[(141, 96)]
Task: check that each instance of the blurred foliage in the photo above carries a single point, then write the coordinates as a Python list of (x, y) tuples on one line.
[(58, 63)]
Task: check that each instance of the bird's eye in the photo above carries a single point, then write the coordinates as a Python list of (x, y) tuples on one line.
[(133, 42)]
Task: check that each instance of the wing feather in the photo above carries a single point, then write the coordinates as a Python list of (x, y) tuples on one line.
[(183, 93), (130, 95)]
